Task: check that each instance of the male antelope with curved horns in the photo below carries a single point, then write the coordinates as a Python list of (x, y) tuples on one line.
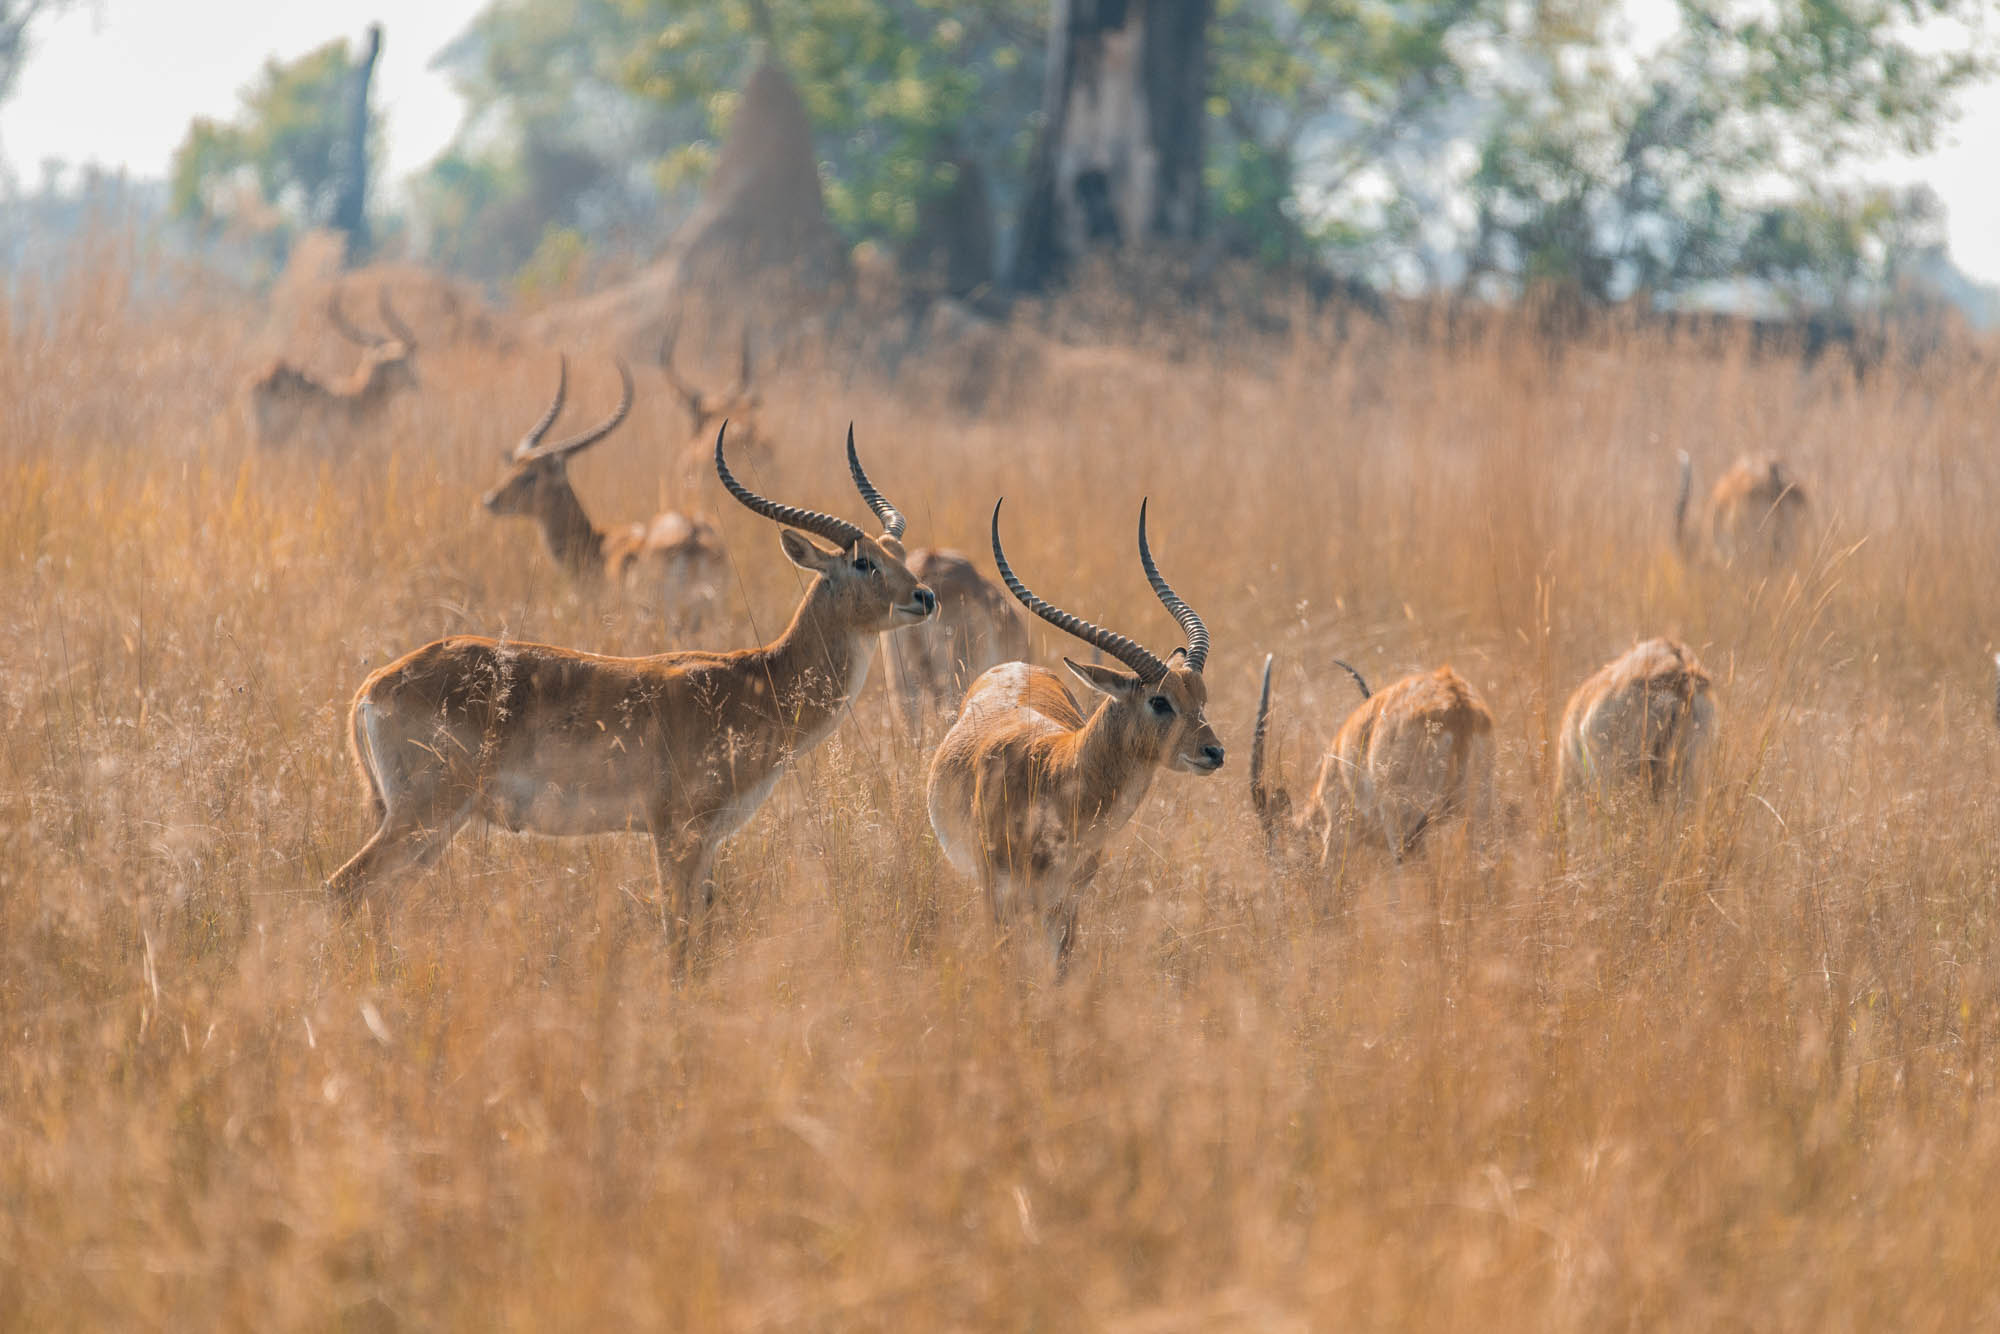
[(682, 551), (1755, 512), (928, 668), (1025, 791), (285, 400), (1407, 757), (682, 746)]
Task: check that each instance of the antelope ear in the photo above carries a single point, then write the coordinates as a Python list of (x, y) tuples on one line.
[(805, 553), (1113, 681)]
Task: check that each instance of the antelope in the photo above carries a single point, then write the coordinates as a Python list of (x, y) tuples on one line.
[(738, 404), (285, 400), (927, 668), (1641, 722), (1025, 791), (1754, 512), (1405, 759), (684, 551), (682, 746)]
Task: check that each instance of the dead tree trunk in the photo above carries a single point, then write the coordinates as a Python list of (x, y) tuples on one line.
[(1120, 154), (350, 206)]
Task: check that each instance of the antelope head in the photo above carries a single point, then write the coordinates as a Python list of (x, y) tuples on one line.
[(740, 402), (865, 584), (1157, 709), (539, 477)]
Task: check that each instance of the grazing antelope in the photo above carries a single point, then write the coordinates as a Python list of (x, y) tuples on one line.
[(682, 746), (682, 551), (1025, 791), (975, 628), (1755, 511), (739, 405), (1639, 723), (1405, 759), (286, 401)]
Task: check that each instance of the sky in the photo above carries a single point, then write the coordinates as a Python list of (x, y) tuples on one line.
[(169, 62)]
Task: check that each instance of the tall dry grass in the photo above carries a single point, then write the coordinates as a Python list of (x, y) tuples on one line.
[(1732, 1072)]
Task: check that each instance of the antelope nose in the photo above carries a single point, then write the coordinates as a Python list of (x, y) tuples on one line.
[(1213, 754), (926, 599)]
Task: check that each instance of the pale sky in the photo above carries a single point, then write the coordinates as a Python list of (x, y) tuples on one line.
[(116, 82)]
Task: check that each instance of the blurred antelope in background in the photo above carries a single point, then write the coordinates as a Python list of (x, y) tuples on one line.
[(740, 405), (286, 401), (682, 746), (1756, 511), (976, 626), (1639, 724), (1025, 791), (681, 552), (1407, 758)]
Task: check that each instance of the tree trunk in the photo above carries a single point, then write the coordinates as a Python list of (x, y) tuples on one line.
[(350, 206), (1120, 154)]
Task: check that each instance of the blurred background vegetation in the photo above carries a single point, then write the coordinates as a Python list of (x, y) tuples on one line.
[(1670, 149)]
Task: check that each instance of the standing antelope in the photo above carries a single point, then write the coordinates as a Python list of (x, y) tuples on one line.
[(1406, 758), (1025, 791), (681, 551), (975, 628), (1755, 511), (286, 401), (739, 405), (682, 746), (1640, 722)]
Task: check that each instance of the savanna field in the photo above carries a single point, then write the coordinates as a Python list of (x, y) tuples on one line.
[(1738, 1069)]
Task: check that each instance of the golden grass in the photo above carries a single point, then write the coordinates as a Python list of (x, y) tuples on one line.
[(1736, 1072)]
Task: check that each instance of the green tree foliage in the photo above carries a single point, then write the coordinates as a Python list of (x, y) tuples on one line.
[(1330, 113), (896, 89), (1610, 169), (284, 143), (1398, 140), (552, 144)]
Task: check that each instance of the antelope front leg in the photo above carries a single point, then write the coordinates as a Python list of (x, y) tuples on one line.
[(683, 860)]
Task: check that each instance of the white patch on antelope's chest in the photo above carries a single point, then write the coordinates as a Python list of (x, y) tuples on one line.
[(737, 811)]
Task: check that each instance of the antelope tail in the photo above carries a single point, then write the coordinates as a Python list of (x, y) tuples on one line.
[(1270, 804), (1681, 500)]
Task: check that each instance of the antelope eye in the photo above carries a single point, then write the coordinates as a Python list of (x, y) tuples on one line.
[(864, 564), (1161, 706)]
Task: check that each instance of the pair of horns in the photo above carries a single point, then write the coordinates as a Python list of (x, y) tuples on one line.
[(362, 337), (689, 394), (837, 531), (1127, 651), (531, 447)]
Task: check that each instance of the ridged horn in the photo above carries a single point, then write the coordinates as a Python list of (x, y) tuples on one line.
[(548, 419), (359, 337), (565, 448), (1197, 633), (1365, 691), (893, 522), (404, 334), (837, 531), (1118, 646)]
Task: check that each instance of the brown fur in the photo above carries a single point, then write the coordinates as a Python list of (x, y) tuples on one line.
[(680, 746), (680, 554), (1755, 512), (928, 668), (1407, 757), (286, 402), (1642, 722), (1025, 791)]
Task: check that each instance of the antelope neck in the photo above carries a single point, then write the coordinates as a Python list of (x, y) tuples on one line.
[(816, 667), (1110, 775), (572, 538)]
